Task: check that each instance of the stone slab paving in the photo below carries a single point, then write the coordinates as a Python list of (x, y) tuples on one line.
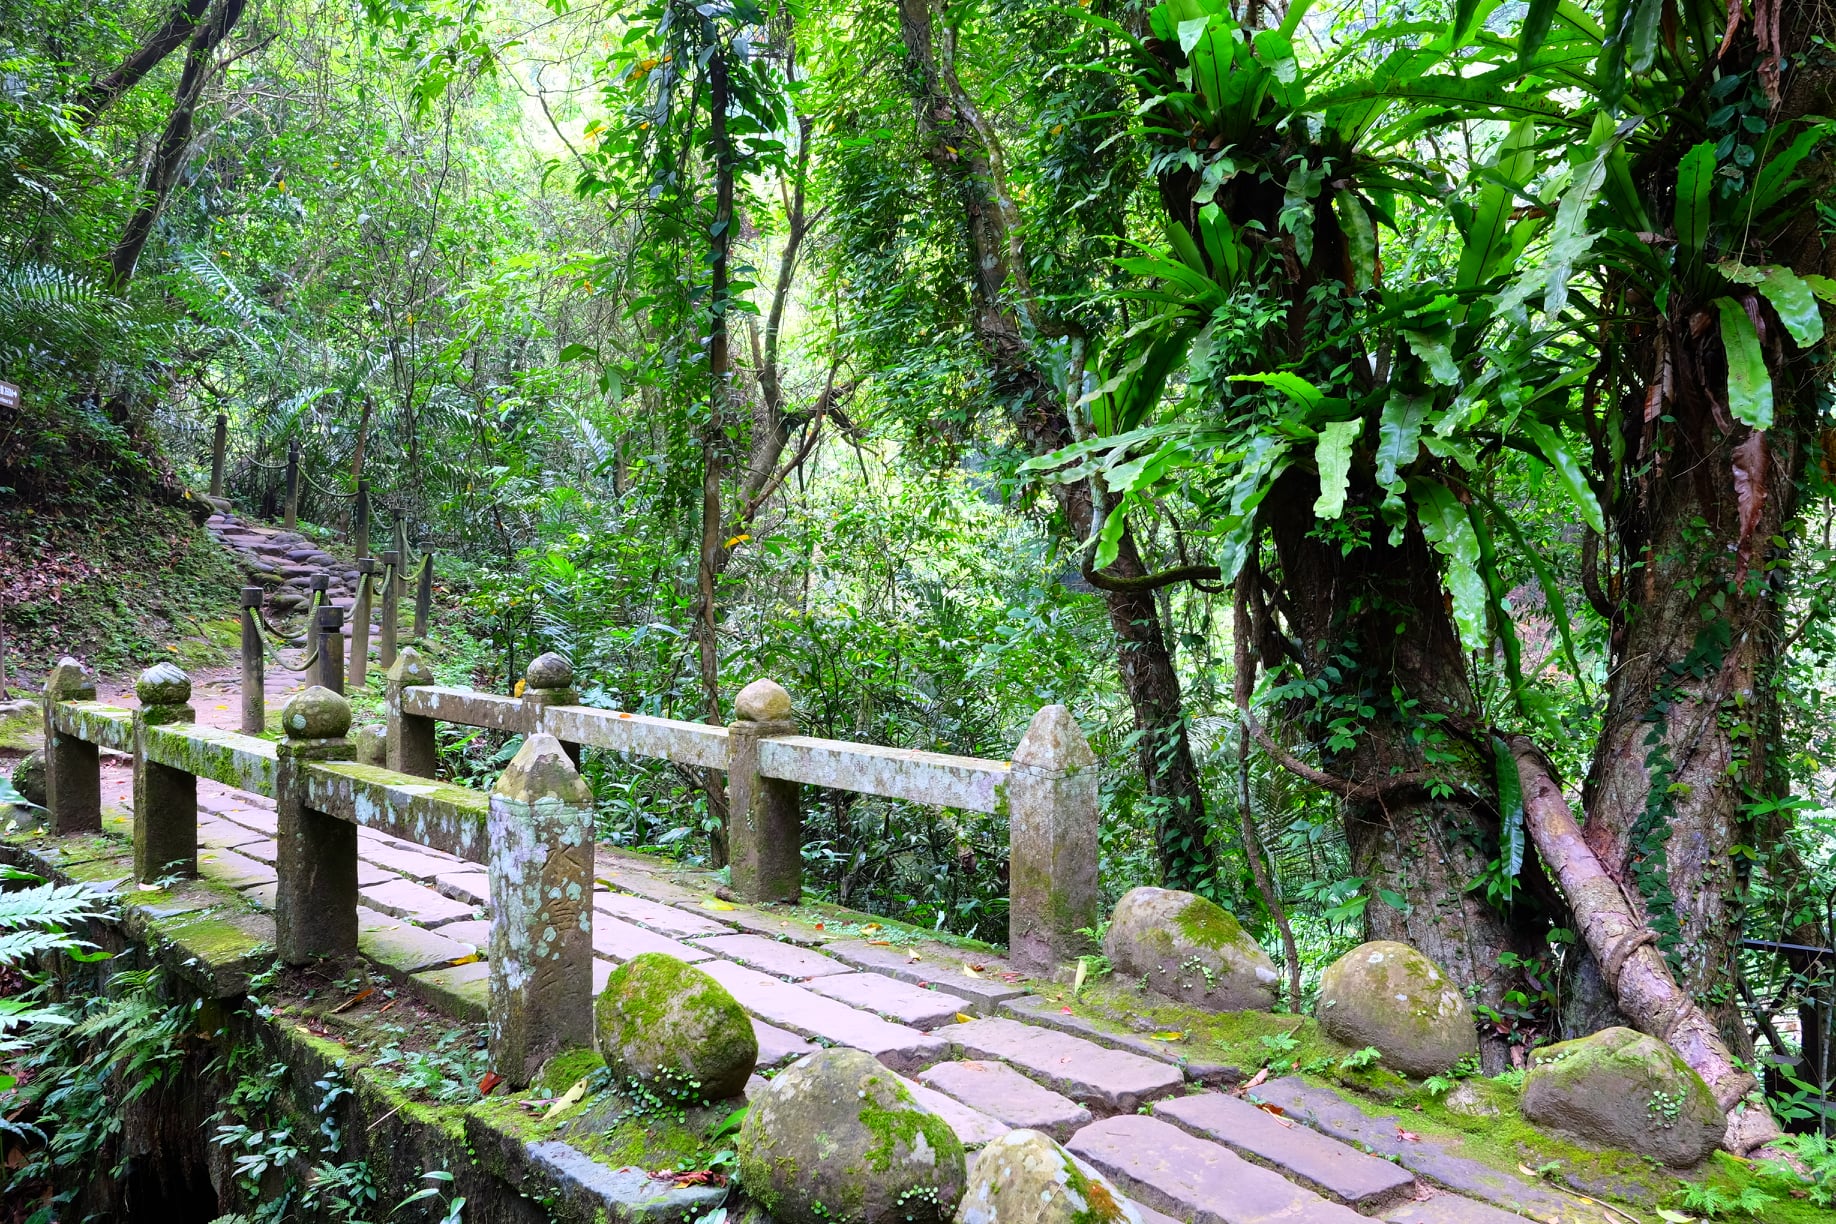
[(670, 920), (1324, 1165), (262, 820), (471, 887), (413, 901), (778, 1047), (460, 991), (999, 1091), (785, 960), (1107, 1081), (1427, 1158), (264, 850), (893, 999), (621, 941), (811, 1015), (1450, 1209), (1206, 1183), (974, 1128), (474, 931), (1035, 1009), (416, 864), (225, 834), (944, 968), (401, 948), (236, 870), (1149, 1215)]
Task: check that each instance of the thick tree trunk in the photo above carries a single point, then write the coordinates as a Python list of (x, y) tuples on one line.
[(961, 147), (106, 90)]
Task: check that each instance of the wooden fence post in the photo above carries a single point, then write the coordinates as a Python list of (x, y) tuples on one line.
[(1052, 842), (360, 521), (165, 798), (291, 511), (764, 815), (315, 901), (219, 452), (391, 608), (423, 597), (328, 630), (360, 622), (549, 681), (541, 871), (398, 536), (410, 746), (254, 700), (73, 767)]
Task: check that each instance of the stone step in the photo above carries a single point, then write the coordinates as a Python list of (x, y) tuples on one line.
[(416, 902), (401, 948), (783, 960), (974, 1128), (620, 941), (983, 991), (1324, 1165), (663, 919), (1196, 1180), (1037, 1009), (1450, 1209), (1431, 1159), (811, 1015), (898, 1001), (778, 1047), (1108, 1081), (1004, 1094), (418, 864)]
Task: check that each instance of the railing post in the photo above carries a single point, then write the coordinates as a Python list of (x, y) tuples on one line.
[(549, 681), (1052, 842), (391, 608), (219, 450), (360, 521), (541, 871), (360, 622), (254, 700), (423, 597), (398, 536), (315, 902), (764, 815), (73, 767), (291, 513), (328, 632), (410, 747), (165, 799)]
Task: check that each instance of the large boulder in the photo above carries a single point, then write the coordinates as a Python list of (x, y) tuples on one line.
[(667, 1025), (1025, 1178), (836, 1136), (1189, 949), (1390, 996), (1623, 1089), (29, 777)]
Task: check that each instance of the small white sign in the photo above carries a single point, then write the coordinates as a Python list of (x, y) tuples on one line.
[(9, 395)]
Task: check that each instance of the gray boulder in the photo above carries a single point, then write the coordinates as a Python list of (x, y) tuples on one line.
[(1025, 1178), (668, 1025), (29, 777), (1623, 1089), (372, 743), (1388, 995), (1190, 950), (837, 1136)]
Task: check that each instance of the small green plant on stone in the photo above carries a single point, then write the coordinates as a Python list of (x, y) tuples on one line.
[(1358, 1060), (454, 1207), (1666, 1107), (1280, 1047), (1817, 1153), (1513, 1078), (1711, 1204), (921, 1201), (1439, 1085)]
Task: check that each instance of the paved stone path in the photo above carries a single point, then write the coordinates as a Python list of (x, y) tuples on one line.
[(285, 562)]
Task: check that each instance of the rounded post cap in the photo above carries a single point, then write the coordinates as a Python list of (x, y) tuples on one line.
[(251, 596), (548, 671), (1054, 743), (408, 669), (70, 680), (763, 701), (316, 713), (163, 684)]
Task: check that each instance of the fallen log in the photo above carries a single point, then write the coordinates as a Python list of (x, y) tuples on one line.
[(1626, 951)]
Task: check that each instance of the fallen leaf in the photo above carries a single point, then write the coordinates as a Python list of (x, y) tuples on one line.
[(963, 1017), (1407, 1136), (712, 904), (881, 943), (491, 1080), (465, 960), (974, 971), (819, 926), (570, 1097), (1067, 1011), (870, 926), (354, 1000), (1167, 1035)]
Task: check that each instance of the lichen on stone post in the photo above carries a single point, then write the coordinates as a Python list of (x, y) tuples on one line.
[(1052, 842), (315, 903), (549, 681), (410, 745), (764, 815), (165, 798), (541, 876), (73, 767)]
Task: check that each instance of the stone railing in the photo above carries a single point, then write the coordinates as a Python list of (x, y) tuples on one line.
[(534, 832)]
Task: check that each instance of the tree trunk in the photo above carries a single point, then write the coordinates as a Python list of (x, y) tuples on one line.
[(105, 91), (962, 148)]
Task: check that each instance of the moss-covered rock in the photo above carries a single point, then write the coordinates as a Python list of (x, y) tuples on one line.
[(837, 1139), (665, 1023), (562, 1071), (29, 777), (1621, 1088), (1188, 949), (372, 744), (1025, 1178), (316, 713), (1389, 996)]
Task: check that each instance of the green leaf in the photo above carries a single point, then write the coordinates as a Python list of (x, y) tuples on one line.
[(1293, 386), (1446, 525), (1360, 238), (1399, 433), (1645, 35), (1510, 808), (1695, 177), (1535, 29), (1552, 594), (1749, 382), (1435, 348), (1109, 539), (1567, 470), (1796, 304), (1486, 236), (1333, 459)]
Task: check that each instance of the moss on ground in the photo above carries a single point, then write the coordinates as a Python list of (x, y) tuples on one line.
[(22, 733)]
